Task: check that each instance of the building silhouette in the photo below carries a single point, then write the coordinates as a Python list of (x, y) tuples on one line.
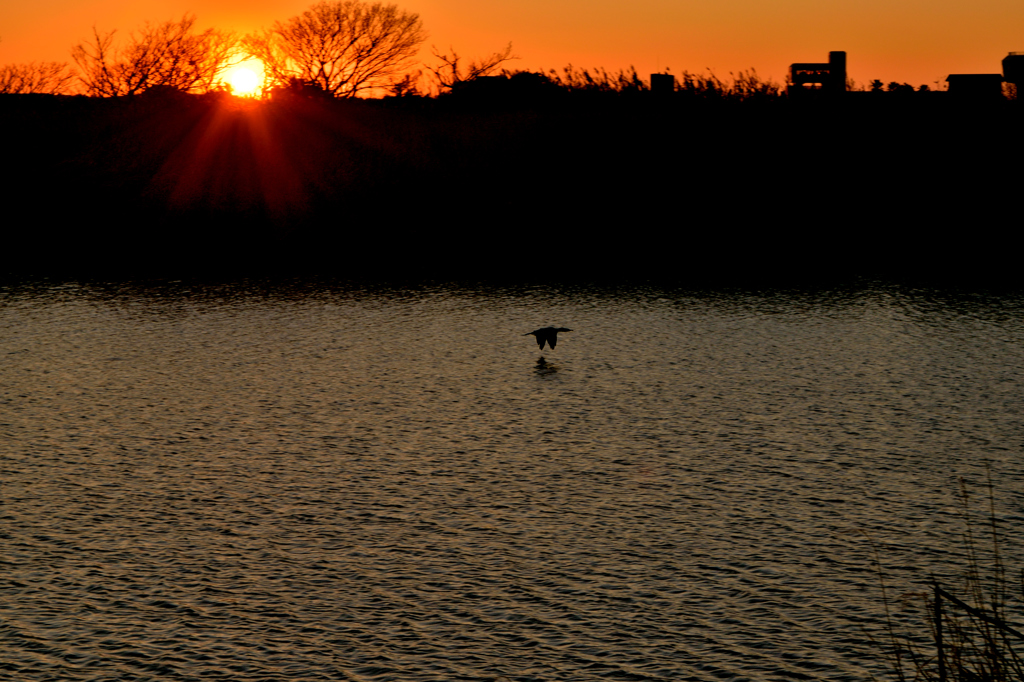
[(828, 77), (663, 83), (975, 85), (1013, 69)]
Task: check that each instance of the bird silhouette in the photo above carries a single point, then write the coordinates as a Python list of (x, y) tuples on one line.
[(547, 335)]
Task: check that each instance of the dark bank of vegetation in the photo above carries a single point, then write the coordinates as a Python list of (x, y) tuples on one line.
[(537, 181), (577, 173)]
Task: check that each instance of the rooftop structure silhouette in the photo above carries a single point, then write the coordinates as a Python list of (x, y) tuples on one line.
[(828, 77)]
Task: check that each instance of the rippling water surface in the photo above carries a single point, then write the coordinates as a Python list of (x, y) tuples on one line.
[(322, 481)]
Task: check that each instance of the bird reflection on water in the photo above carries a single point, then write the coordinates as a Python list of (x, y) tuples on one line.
[(544, 368)]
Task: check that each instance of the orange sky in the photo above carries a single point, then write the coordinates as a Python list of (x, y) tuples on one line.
[(916, 41)]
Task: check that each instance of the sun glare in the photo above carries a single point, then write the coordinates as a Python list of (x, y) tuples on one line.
[(245, 79)]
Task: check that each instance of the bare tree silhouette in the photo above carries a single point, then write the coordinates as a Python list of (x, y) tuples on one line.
[(449, 73), (345, 47), (51, 78), (171, 55)]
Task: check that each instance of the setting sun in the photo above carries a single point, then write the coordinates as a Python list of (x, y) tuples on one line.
[(244, 79)]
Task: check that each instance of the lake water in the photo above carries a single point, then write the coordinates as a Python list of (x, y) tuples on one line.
[(337, 481)]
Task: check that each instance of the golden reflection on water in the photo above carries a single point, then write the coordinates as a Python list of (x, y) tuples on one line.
[(326, 480)]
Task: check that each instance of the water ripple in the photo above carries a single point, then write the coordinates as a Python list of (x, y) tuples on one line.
[(331, 481)]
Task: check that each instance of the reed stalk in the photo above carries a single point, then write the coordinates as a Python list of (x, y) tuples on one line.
[(973, 637)]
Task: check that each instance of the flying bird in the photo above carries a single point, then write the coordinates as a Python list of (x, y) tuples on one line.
[(547, 335)]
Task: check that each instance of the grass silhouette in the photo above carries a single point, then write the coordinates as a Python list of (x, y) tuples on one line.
[(971, 637)]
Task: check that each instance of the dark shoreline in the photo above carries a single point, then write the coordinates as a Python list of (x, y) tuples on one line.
[(617, 187)]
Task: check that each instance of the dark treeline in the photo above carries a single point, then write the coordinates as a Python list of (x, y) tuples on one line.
[(528, 181)]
